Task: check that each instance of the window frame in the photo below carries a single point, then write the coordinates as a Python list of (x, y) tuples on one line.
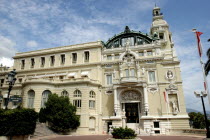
[(42, 61), (62, 59), (74, 57), (52, 60), (77, 93), (77, 103), (32, 62), (155, 80), (30, 98), (86, 56), (22, 65), (108, 81)]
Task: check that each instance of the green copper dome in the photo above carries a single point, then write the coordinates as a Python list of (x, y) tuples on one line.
[(135, 38)]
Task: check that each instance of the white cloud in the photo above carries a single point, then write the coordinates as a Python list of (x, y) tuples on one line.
[(7, 47), (6, 61), (190, 69), (31, 43)]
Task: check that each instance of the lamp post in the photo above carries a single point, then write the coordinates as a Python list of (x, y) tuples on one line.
[(204, 94), (11, 81)]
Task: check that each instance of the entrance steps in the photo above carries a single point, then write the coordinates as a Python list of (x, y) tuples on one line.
[(143, 133), (139, 131)]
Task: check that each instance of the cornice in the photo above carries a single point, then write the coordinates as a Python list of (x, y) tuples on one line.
[(58, 67), (60, 49)]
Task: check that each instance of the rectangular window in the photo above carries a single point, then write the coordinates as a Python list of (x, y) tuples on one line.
[(152, 76), (77, 103), (52, 60), (139, 41), (117, 56), (127, 73), (156, 125), (32, 62), (130, 40), (161, 35), (87, 55), (62, 59), (42, 61), (109, 57), (91, 104), (132, 71), (74, 57), (141, 53), (116, 44), (22, 64), (109, 79), (149, 53)]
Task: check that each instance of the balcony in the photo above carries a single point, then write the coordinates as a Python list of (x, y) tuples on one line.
[(130, 79)]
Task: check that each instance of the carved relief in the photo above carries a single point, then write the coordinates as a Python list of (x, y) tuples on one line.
[(169, 75), (153, 89), (172, 88), (130, 95)]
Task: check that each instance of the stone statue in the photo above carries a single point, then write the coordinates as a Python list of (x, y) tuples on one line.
[(174, 106), (169, 74), (143, 70)]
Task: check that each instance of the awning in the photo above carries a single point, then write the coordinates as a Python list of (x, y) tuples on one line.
[(5, 95), (71, 74), (84, 73)]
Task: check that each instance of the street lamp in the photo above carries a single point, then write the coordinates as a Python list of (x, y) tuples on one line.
[(11, 81), (203, 94)]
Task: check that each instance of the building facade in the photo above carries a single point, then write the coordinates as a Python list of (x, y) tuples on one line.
[(131, 80)]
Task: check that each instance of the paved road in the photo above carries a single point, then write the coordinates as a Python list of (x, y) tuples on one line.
[(105, 137)]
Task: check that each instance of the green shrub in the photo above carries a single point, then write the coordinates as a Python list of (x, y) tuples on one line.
[(17, 122), (60, 114), (42, 116), (123, 133)]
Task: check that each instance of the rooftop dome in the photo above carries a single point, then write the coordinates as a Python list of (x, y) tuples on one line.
[(135, 37)]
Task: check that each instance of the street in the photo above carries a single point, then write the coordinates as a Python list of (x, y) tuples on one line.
[(106, 137)]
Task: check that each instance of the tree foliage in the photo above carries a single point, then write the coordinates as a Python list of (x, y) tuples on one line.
[(60, 114), (17, 122), (197, 120)]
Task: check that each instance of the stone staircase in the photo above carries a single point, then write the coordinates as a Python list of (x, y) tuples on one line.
[(139, 131), (143, 133), (42, 131)]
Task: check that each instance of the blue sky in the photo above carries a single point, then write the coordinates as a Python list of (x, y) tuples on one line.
[(27, 25)]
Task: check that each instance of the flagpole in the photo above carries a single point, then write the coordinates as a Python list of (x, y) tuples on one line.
[(202, 67)]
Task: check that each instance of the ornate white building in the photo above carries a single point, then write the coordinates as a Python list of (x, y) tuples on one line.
[(131, 80)]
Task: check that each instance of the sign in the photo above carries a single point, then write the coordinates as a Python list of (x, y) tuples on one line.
[(15, 99)]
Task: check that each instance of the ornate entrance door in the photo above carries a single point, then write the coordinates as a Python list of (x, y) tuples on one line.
[(132, 113)]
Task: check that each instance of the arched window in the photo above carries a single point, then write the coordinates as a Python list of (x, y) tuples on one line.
[(77, 101), (77, 93), (31, 95), (92, 94), (64, 93), (45, 95)]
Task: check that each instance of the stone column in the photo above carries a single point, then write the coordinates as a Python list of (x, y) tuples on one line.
[(138, 69), (115, 101), (121, 70), (146, 105)]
